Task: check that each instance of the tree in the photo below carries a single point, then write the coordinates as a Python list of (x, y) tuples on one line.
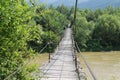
[(15, 31), (64, 10), (52, 21), (83, 32), (107, 31)]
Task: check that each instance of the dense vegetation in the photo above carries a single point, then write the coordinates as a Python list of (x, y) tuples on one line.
[(98, 30), (26, 29)]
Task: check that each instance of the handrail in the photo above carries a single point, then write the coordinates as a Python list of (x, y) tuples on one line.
[(90, 70), (43, 48), (20, 67), (76, 58)]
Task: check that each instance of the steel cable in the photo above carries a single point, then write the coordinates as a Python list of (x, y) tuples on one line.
[(20, 67), (90, 70)]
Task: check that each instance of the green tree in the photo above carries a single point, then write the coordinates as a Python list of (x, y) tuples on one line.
[(53, 21), (15, 32), (107, 31), (64, 10), (83, 32)]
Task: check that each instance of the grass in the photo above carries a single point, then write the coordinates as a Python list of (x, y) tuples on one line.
[(38, 59), (105, 65), (34, 64)]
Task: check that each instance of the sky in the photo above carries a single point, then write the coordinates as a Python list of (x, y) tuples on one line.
[(52, 1), (91, 4), (81, 1)]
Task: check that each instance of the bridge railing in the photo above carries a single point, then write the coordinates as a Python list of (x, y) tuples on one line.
[(23, 66), (81, 74), (86, 63)]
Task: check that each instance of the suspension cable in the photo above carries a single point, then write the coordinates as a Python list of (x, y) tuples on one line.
[(20, 67), (90, 70), (43, 48)]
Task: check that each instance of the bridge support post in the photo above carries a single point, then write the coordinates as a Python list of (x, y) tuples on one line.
[(49, 57)]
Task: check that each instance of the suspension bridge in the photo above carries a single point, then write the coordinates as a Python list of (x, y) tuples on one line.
[(63, 64)]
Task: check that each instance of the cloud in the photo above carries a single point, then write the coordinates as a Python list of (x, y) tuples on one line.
[(65, 2), (52, 1), (82, 1), (48, 1)]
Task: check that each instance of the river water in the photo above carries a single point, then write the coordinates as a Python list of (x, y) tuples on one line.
[(105, 65)]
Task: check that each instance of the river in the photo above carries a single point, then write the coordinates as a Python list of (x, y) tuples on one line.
[(105, 65)]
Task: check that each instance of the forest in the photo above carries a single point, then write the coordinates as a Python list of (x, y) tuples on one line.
[(26, 28)]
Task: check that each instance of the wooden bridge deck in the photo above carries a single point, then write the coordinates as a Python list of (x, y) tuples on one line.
[(62, 63)]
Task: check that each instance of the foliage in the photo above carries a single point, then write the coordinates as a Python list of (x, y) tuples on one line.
[(64, 10), (53, 23), (98, 30), (24, 30), (83, 32), (15, 31), (107, 31)]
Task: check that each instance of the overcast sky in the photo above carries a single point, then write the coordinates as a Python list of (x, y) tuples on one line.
[(71, 2), (91, 4), (52, 1)]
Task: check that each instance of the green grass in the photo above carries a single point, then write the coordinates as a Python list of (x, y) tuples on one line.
[(105, 65), (38, 59), (34, 64)]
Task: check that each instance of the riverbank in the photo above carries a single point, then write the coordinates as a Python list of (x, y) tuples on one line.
[(105, 65)]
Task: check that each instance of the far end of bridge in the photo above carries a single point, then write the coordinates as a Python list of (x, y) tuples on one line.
[(64, 64)]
